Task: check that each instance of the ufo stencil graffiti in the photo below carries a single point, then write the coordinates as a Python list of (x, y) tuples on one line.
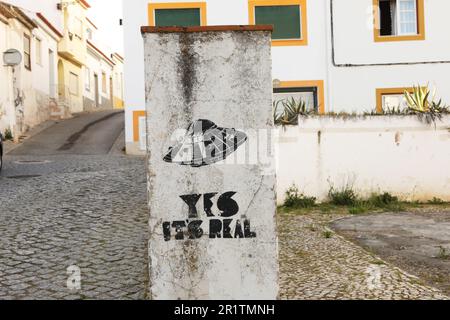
[(204, 144)]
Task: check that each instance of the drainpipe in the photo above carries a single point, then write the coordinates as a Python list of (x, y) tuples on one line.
[(349, 65)]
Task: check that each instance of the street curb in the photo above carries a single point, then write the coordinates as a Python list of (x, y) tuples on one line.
[(120, 141)]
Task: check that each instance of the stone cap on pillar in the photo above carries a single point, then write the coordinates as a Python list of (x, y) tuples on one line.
[(147, 29)]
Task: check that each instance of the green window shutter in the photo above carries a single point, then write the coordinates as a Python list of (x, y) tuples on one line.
[(177, 17), (285, 19)]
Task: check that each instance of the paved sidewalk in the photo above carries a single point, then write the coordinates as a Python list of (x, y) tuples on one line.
[(317, 264)]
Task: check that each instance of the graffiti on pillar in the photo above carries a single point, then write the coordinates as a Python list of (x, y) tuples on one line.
[(204, 144), (222, 224)]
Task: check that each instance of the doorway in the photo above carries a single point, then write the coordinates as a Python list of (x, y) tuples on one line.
[(96, 90), (61, 84), (111, 93), (51, 76)]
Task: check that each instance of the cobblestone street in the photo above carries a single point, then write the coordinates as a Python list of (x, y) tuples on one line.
[(82, 206), (318, 264), (93, 218), (87, 209)]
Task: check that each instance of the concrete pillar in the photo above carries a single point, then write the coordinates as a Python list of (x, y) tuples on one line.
[(212, 213)]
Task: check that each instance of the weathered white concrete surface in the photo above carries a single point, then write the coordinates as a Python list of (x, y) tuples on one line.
[(401, 155), (224, 77)]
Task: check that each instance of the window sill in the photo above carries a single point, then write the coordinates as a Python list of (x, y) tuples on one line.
[(417, 37), (285, 43)]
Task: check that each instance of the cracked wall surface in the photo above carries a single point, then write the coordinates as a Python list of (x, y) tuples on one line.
[(223, 77)]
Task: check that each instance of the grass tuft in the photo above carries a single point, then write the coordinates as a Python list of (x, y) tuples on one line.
[(8, 135), (443, 254), (437, 201), (295, 199), (345, 196), (327, 234)]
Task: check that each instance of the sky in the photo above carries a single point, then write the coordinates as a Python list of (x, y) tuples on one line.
[(106, 15)]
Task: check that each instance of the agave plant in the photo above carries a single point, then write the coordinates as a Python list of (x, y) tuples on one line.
[(291, 110), (417, 100), (419, 103)]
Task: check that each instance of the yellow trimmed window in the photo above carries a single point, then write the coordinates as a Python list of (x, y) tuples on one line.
[(310, 92), (392, 98), (288, 18), (179, 14), (399, 20)]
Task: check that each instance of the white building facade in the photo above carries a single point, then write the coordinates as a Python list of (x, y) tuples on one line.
[(98, 74), (118, 86), (103, 74), (28, 91), (337, 55)]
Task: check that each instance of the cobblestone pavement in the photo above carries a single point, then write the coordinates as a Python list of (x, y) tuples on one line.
[(418, 241), (315, 263), (85, 211), (90, 211), (65, 210)]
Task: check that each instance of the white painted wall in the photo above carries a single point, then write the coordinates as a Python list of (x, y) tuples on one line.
[(97, 65), (108, 69), (41, 71), (401, 155), (6, 108), (35, 85), (350, 89), (353, 88), (118, 78), (354, 35), (93, 64), (135, 16)]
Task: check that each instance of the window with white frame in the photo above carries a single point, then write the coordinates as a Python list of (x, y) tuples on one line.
[(27, 51), (398, 17), (78, 27), (73, 84), (297, 95), (394, 101), (89, 33)]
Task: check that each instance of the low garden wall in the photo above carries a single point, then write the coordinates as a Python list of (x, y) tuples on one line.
[(402, 155)]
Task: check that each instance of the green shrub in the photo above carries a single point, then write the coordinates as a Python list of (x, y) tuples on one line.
[(383, 200), (295, 199), (343, 197), (436, 201), (8, 134), (359, 209)]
